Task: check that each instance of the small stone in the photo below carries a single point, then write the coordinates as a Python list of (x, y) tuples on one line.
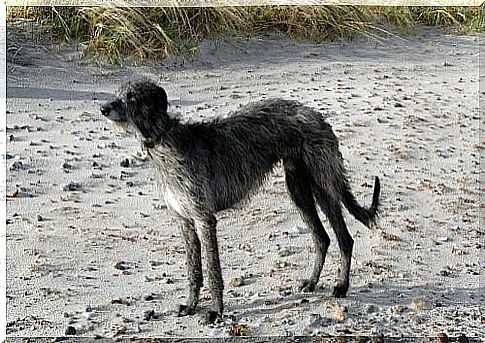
[(339, 314), (271, 302), (381, 120), (442, 239), (148, 314), (120, 301), (125, 163), (122, 265), (445, 272), (236, 282), (14, 193), (72, 187), (442, 337), (315, 320), (18, 165), (155, 263), (148, 297), (238, 330), (298, 230), (417, 304), (66, 166), (370, 308), (217, 333), (70, 330), (398, 309), (284, 252)]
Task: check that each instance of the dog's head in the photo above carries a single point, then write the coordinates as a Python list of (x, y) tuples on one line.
[(140, 105)]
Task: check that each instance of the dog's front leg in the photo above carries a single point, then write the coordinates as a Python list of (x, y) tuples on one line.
[(211, 255), (194, 266)]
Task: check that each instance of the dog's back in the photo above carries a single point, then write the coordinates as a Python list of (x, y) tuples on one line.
[(233, 156)]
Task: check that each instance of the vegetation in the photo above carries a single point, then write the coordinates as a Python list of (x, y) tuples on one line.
[(115, 32)]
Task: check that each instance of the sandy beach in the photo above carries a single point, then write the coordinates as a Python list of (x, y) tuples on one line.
[(93, 251)]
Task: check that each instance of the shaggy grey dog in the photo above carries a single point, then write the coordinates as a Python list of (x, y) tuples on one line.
[(207, 167)]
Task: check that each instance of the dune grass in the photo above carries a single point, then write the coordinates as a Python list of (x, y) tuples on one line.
[(116, 32)]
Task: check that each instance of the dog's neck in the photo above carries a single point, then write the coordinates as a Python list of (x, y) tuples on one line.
[(159, 131)]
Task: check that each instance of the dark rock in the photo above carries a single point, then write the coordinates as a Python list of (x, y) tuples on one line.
[(125, 163), (70, 330), (148, 314), (71, 187)]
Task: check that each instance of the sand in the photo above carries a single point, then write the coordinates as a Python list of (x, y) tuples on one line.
[(92, 249)]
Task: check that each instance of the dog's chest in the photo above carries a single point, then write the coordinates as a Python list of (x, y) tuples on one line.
[(174, 180)]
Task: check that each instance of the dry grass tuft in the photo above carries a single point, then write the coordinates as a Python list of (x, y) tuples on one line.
[(116, 32)]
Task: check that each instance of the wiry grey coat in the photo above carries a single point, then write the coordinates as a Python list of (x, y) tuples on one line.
[(206, 167)]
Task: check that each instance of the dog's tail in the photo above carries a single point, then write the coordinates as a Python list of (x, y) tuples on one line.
[(366, 216)]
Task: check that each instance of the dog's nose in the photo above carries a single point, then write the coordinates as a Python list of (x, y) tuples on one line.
[(105, 109)]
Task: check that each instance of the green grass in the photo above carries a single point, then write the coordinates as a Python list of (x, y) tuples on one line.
[(116, 32)]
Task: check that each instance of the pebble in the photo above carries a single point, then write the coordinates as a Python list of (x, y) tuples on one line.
[(442, 337), (442, 239), (125, 163), (70, 330), (445, 272), (284, 252), (67, 167), (370, 308), (72, 187), (121, 301), (13, 193), (122, 265), (236, 282), (18, 165), (299, 230), (149, 314), (217, 333), (315, 320)]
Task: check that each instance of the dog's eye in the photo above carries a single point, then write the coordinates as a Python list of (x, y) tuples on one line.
[(129, 95)]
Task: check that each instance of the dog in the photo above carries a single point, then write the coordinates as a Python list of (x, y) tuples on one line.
[(210, 166)]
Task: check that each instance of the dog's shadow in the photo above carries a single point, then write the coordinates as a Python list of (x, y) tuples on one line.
[(420, 297)]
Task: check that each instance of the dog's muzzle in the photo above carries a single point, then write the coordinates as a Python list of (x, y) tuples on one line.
[(113, 110), (106, 109)]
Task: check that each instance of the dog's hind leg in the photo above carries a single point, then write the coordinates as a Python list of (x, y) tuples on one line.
[(211, 255), (333, 210), (194, 267), (300, 189)]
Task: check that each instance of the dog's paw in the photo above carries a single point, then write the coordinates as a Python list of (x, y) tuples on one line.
[(340, 291), (210, 317), (306, 286), (185, 310)]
